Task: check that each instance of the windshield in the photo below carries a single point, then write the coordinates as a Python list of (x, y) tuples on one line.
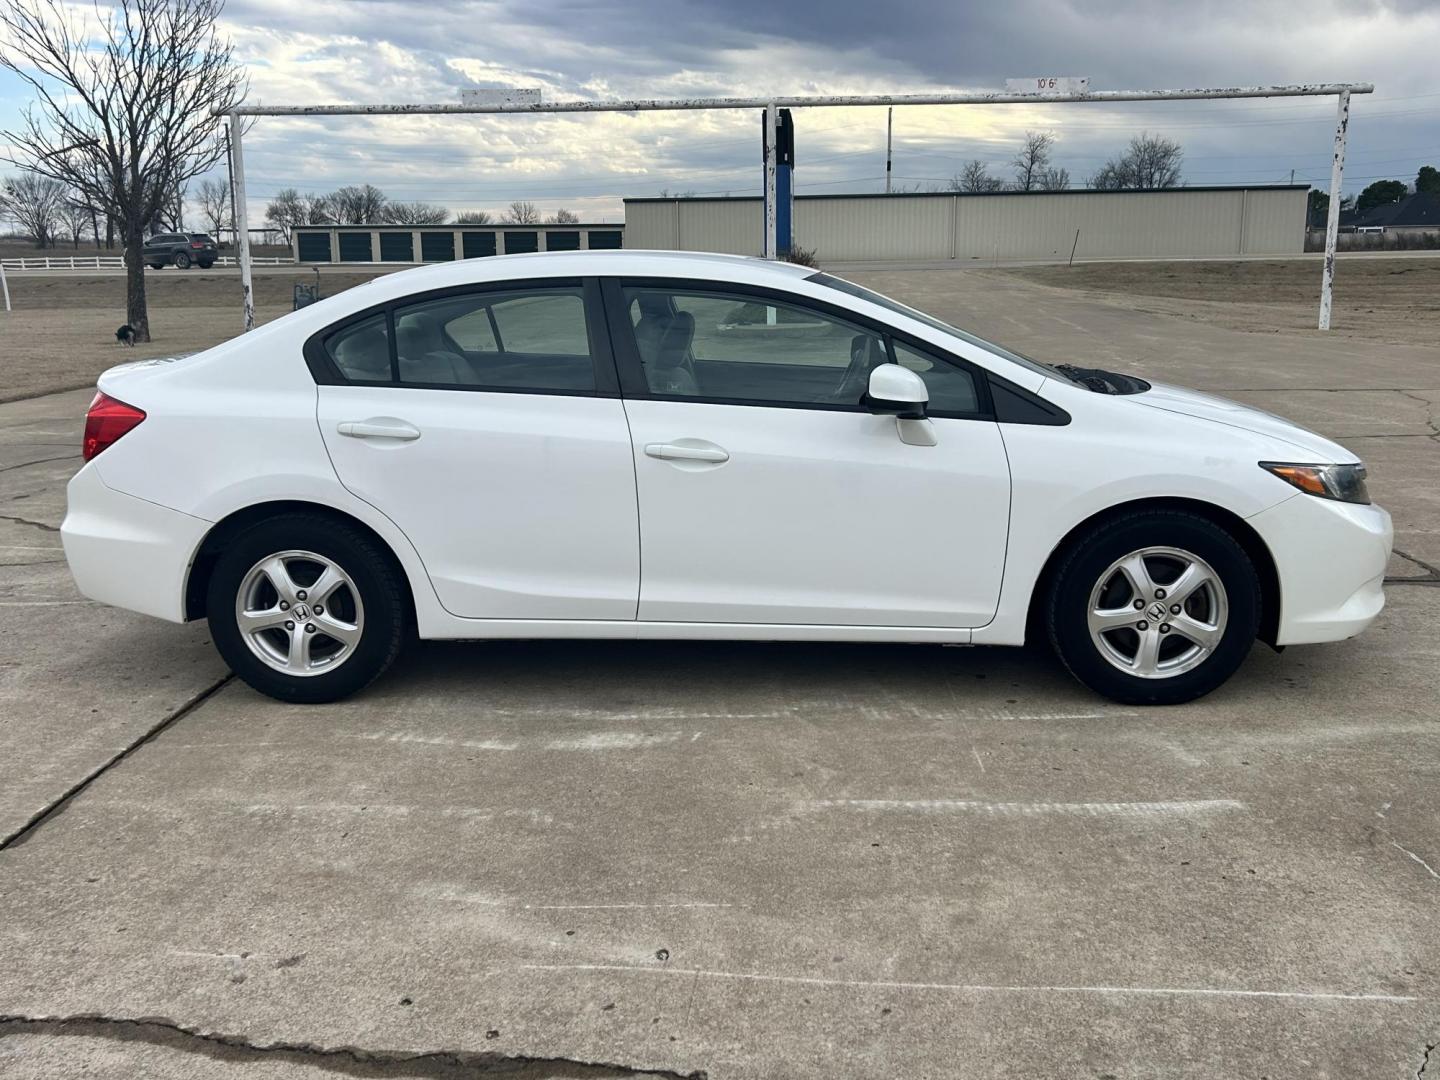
[(851, 289)]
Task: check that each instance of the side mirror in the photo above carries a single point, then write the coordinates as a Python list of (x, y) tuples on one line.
[(896, 391)]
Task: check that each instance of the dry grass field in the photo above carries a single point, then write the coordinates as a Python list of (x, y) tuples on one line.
[(1387, 300), (61, 333)]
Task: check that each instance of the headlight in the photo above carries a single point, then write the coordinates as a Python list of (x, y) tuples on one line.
[(1343, 483)]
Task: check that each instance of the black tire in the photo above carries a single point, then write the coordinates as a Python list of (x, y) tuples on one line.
[(383, 631), (182, 261), (204, 265), (157, 266), (1085, 564)]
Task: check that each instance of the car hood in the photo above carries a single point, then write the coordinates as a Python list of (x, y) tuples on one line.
[(1303, 445)]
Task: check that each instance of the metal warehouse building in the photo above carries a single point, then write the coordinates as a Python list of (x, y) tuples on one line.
[(1178, 222), (442, 243)]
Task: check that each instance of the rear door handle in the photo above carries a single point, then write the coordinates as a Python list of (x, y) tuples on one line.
[(379, 427), (681, 452)]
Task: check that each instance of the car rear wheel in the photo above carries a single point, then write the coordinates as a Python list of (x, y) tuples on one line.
[(182, 261), (205, 265), (1154, 608), (306, 608), (157, 266)]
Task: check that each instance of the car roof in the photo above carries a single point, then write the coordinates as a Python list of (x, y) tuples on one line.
[(548, 264)]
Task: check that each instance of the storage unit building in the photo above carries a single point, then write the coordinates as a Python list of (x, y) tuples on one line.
[(442, 243), (1173, 223)]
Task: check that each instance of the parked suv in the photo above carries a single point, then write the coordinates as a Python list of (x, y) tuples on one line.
[(185, 251)]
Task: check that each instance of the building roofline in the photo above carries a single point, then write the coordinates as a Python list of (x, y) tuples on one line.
[(452, 227), (978, 194)]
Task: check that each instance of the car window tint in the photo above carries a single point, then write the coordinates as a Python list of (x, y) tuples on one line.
[(533, 339), (952, 388), (735, 347), (362, 351)]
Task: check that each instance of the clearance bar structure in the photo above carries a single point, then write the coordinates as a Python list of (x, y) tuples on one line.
[(770, 107)]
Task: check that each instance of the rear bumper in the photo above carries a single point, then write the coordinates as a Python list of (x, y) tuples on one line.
[(1331, 559), (127, 552)]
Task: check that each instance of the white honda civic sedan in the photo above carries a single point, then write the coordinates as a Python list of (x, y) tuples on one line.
[(652, 445)]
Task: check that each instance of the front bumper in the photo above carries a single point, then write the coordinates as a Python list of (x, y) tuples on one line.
[(127, 552), (1331, 558)]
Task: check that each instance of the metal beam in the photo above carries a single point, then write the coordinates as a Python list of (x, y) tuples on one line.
[(771, 200), (1332, 215), (242, 220), (666, 105)]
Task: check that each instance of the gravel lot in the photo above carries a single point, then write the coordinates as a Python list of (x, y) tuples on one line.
[(599, 859)]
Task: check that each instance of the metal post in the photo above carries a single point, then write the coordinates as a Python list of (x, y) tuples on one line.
[(242, 219), (4, 286), (1332, 216), (770, 193), (889, 133)]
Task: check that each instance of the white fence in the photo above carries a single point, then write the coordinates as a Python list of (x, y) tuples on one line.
[(109, 262)]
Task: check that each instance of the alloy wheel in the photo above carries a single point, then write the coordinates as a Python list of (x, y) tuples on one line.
[(1158, 612), (299, 613)]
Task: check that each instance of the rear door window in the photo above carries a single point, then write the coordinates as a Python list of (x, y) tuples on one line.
[(522, 339)]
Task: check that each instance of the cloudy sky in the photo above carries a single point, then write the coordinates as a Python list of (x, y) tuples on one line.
[(332, 51)]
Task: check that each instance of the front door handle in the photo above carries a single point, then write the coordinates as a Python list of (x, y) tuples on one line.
[(379, 427), (682, 452)]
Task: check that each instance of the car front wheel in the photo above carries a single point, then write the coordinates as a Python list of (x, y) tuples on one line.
[(306, 608), (1154, 607)]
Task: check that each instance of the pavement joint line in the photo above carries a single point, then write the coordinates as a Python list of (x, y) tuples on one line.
[(40, 461), (58, 806), (1431, 576), (356, 1061), (27, 521), (988, 988)]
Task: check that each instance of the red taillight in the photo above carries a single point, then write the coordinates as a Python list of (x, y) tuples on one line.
[(106, 422), (197, 245)]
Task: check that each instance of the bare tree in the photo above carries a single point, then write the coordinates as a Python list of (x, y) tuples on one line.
[(286, 210), (171, 216), (318, 209), (521, 212), (1032, 159), (33, 202), (1055, 178), (125, 104), (362, 204), (564, 217), (474, 217), (976, 177), (1150, 161), (73, 216), (1154, 161), (214, 198), (415, 213)]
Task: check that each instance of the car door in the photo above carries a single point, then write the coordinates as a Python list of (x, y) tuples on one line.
[(767, 494), (486, 423)]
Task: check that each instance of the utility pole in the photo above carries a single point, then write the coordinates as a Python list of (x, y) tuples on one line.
[(230, 178), (1332, 215), (889, 133), (242, 222)]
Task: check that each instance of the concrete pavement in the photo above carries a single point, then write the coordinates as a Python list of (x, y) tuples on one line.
[(576, 859)]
